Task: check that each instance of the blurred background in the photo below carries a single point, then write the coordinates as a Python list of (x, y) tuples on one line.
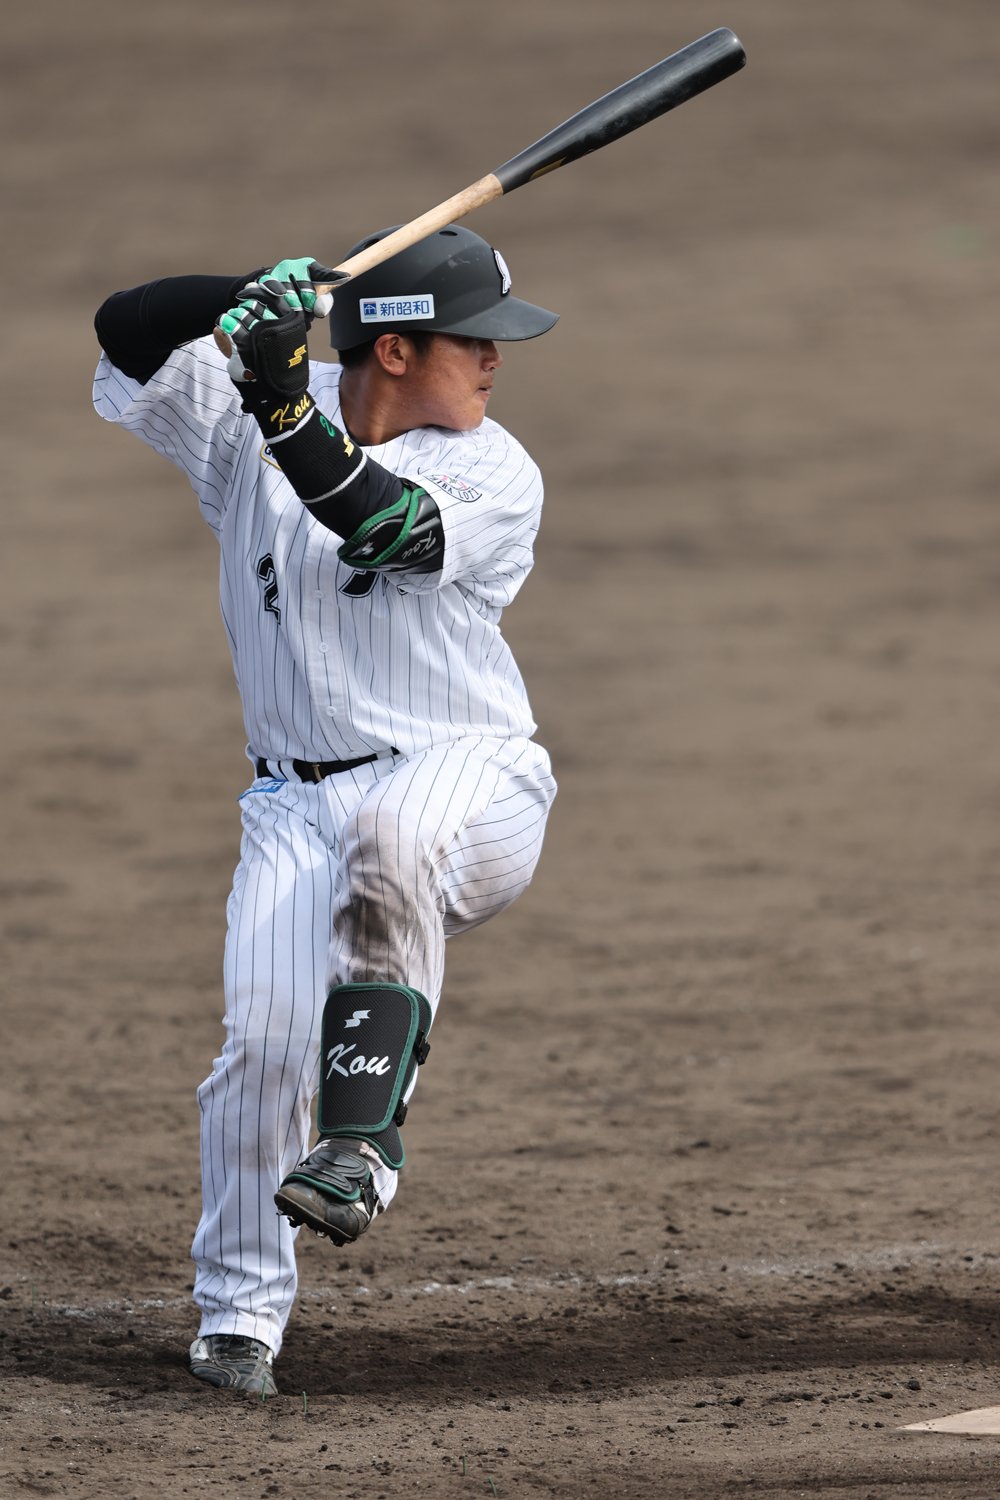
[(739, 1040)]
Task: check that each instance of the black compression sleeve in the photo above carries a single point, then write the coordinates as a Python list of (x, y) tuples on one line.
[(388, 523), (325, 467), (138, 329)]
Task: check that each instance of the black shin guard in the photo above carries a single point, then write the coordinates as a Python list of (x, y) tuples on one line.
[(374, 1036)]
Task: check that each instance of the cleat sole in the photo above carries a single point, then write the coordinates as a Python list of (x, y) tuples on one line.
[(299, 1216)]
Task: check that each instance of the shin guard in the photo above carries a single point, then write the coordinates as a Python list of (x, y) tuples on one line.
[(374, 1036)]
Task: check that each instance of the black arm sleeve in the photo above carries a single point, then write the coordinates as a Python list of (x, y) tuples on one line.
[(139, 329), (389, 523)]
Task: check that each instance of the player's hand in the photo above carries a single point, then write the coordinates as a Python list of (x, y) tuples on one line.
[(288, 287), (266, 348), (238, 325)]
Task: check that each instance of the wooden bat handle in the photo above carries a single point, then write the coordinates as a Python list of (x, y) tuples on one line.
[(484, 191)]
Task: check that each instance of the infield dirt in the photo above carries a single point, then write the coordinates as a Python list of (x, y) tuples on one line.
[(702, 1187)]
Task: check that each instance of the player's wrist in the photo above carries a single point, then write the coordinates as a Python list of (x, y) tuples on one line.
[(278, 416)]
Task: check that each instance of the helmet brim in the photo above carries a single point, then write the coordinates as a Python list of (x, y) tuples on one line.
[(508, 322)]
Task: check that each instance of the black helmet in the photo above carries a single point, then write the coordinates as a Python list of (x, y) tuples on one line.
[(450, 282)]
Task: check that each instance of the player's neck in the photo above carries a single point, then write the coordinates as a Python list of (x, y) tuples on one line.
[(370, 413)]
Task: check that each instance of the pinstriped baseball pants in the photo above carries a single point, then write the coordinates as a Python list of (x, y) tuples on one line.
[(361, 877)]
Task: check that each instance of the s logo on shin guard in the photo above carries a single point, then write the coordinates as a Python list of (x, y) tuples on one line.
[(359, 1064)]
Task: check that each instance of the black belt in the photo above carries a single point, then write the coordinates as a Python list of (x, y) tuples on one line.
[(316, 770)]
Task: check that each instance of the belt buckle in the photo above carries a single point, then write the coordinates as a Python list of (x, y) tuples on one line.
[(316, 767)]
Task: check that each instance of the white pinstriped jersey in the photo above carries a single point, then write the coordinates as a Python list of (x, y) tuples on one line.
[(332, 664)]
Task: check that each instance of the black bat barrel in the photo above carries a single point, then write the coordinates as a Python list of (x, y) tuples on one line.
[(662, 87)]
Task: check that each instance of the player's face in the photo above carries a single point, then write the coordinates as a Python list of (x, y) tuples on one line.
[(452, 381)]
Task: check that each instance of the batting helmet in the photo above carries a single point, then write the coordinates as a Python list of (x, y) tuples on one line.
[(450, 282)]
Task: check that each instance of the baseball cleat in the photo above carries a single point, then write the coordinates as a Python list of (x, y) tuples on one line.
[(234, 1363), (331, 1192)]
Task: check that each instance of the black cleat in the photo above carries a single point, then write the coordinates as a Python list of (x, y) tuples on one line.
[(331, 1192), (234, 1363)]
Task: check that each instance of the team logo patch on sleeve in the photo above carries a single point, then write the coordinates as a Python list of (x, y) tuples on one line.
[(456, 488)]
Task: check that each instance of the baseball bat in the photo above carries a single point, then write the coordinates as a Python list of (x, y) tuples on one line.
[(660, 88)]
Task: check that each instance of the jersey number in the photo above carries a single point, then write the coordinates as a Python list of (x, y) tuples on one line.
[(360, 584), (269, 583), (357, 586)]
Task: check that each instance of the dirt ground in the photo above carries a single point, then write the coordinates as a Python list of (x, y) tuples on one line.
[(702, 1187)]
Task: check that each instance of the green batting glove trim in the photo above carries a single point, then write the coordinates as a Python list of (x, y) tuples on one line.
[(244, 318), (298, 269), (230, 324)]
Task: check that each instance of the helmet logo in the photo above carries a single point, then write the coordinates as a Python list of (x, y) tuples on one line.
[(504, 273), (394, 309)]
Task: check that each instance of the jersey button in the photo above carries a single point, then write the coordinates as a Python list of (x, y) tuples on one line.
[(323, 647)]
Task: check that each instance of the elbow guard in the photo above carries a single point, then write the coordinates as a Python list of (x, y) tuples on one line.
[(406, 536)]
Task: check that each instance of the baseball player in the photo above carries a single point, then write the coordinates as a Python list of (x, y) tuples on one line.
[(372, 524)]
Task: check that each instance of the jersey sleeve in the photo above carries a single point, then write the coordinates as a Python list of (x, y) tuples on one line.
[(489, 493), (188, 411)]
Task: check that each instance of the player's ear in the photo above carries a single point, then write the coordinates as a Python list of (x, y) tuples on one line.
[(394, 353)]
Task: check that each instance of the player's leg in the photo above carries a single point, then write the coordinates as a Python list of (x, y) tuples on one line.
[(493, 857), (443, 842), (255, 1104)]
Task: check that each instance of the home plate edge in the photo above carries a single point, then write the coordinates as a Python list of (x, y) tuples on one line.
[(984, 1421)]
